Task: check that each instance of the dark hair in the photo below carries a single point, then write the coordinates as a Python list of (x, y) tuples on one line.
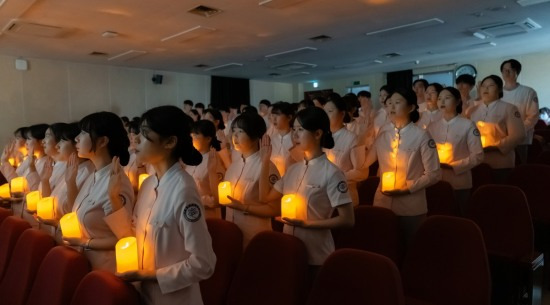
[(195, 112), (456, 95), (249, 109), (188, 102), (108, 124), (514, 64), (306, 103), (224, 108), (70, 132), (57, 130), (466, 79), (283, 108), (207, 129), (352, 103), (125, 119), (341, 105), (21, 131), (171, 121), (252, 124), (437, 87), (544, 110), (199, 105), (38, 131), (364, 93), (423, 81), (410, 97), (313, 119), (320, 99), (134, 126), (265, 102), (389, 89), (498, 82), (217, 116)]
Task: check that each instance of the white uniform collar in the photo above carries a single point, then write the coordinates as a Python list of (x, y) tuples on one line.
[(491, 105), (169, 173), (103, 172), (339, 130), (252, 156), (451, 121), (404, 129), (321, 158)]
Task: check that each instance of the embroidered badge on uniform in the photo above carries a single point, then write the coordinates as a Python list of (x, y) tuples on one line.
[(431, 143), (517, 115), (273, 179), (342, 187), (192, 212), (476, 132)]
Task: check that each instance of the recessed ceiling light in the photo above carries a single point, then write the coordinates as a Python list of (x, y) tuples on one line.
[(204, 11), (321, 38), (479, 35)]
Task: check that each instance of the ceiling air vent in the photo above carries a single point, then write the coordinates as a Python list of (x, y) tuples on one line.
[(321, 38), (204, 11), (508, 28), (34, 29), (96, 53), (201, 66), (293, 66), (391, 55)]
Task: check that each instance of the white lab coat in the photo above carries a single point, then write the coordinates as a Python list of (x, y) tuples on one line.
[(172, 237), (526, 100)]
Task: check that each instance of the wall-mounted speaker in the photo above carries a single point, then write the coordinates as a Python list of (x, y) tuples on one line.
[(157, 79)]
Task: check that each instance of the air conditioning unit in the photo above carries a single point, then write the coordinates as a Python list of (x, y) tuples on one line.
[(508, 28)]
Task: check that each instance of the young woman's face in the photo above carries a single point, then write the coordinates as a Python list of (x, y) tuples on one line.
[(33, 144), (242, 142), (447, 102), (149, 147), (281, 121), (65, 149), (208, 116), (382, 97), (84, 145), (200, 142), (336, 116), (399, 108), (303, 138), (134, 138), (489, 90), (49, 144), (431, 96)]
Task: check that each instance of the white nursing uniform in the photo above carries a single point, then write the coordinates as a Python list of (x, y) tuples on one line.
[(526, 100), (201, 176)]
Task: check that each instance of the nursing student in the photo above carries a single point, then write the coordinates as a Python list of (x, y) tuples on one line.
[(432, 112), (319, 184), (216, 117), (284, 153), (381, 118), (409, 154), (246, 209), (101, 139), (347, 154), (458, 144), (37, 159), (17, 151), (210, 172), (363, 125), (501, 128), (174, 246)]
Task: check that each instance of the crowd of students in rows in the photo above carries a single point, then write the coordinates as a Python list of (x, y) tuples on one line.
[(317, 151)]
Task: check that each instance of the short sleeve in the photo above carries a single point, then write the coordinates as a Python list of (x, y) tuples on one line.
[(337, 189)]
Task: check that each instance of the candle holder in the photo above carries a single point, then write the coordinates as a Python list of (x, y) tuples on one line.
[(289, 204), (224, 190), (70, 227), (388, 181), (126, 255)]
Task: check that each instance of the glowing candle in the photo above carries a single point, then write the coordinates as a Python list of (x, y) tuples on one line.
[(5, 191), (11, 161), (126, 255), (32, 200), (388, 181), (224, 190), (445, 152), (69, 226), (18, 185), (142, 178), (289, 205), (44, 208)]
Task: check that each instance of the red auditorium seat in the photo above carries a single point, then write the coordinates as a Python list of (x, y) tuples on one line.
[(4, 213), (29, 252), (481, 175), (273, 271), (59, 274), (446, 264), (376, 229), (227, 241), (10, 230), (441, 200), (355, 277), (105, 288)]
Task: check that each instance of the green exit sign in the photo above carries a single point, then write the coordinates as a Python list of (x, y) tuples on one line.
[(356, 83)]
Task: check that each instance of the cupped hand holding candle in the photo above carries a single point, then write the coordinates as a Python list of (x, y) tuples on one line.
[(126, 255), (224, 190)]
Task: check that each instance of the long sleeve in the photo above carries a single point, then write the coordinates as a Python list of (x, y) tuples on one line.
[(430, 161), (531, 111), (475, 150), (360, 171), (515, 129)]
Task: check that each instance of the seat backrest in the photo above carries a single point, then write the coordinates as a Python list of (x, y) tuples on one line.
[(535, 149), (29, 252), (272, 271), (441, 200), (543, 158), (59, 274), (367, 189), (376, 229), (447, 263), (4, 213), (227, 242), (502, 214), (533, 179), (105, 288), (354, 277), (481, 174), (10, 231)]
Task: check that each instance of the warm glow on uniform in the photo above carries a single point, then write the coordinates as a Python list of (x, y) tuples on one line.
[(331, 157), (70, 227), (224, 190), (44, 208), (388, 181), (142, 178), (18, 185), (445, 152), (289, 204), (126, 255), (279, 164), (32, 200)]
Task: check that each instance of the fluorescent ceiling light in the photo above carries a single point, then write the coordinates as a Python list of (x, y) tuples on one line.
[(127, 55), (530, 2), (409, 26), (291, 52), (480, 35), (225, 66), (189, 34)]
